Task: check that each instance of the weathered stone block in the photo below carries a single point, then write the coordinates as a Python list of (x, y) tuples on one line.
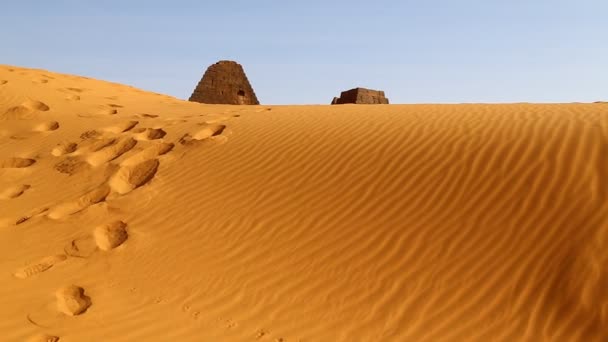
[(361, 96)]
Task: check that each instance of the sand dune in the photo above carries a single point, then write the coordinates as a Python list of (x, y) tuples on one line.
[(132, 216)]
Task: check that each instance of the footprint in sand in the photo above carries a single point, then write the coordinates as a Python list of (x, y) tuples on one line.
[(92, 197), (130, 177), (16, 163), (101, 112), (99, 144), (73, 97), (25, 110), (47, 126), (72, 301), (149, 133), (148, 116), (14, 191), (149, 152), (216, 120), (3, 82), (108, 111), (229, 323), (207, 132), (260, 334), (112, 105), (187, 308), (121, 127), (22, 219), (43, 338), (111, 152), (40, 266), (83, 247), (76, 90), (104, 237), (40, 81), (92, 134), (71, 165), (35, 105), (64, 148), (93, 141)]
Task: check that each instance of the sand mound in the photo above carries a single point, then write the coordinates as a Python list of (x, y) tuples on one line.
[(110, 235), (90, 198), (150, 152), (111, 152), (208, 131), (47, 126), (149, 133), (64, 148), (72, 301), (122, 127), (133, 176), (286, 223), (98, 144)]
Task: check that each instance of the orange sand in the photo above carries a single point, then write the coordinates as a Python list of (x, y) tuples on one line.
[(132, 216)]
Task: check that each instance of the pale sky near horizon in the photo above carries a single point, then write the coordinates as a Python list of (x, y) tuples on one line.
[(306, 52)]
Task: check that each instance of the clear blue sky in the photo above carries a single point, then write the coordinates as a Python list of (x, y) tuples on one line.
[(304, 52)]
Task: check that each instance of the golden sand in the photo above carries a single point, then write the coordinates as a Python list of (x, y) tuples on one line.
[(470, 222)]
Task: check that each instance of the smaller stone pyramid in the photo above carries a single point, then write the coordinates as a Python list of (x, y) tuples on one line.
[(361, 96), (224, 82)]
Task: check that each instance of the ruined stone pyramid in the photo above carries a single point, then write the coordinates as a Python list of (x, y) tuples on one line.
[(361, 96), (224, 82)]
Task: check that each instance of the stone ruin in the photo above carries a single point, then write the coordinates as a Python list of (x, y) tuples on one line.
[(361, 96), (224, 82)]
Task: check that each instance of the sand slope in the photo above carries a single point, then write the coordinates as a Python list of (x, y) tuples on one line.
[(132, 216)]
